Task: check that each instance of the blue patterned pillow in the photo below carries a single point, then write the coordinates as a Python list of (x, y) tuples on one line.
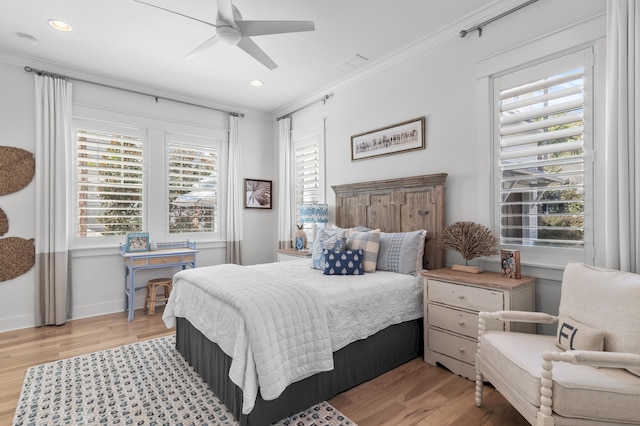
[(340, 262), (326, 239)]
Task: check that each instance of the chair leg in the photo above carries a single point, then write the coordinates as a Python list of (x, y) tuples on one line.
[(479, 387), (152, 302), (146, 299)]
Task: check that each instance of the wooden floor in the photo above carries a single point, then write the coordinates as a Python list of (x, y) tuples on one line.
[(413, 394)]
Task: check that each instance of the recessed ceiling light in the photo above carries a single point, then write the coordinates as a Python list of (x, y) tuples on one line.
[(256, 83), (59, 25)]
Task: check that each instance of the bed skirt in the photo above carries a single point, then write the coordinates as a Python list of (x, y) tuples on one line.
[(356, 363)]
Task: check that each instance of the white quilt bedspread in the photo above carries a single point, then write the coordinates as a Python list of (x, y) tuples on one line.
[(281, 335), (355, 307)]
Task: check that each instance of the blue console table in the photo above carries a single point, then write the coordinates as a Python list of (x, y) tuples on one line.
[(167, 255)]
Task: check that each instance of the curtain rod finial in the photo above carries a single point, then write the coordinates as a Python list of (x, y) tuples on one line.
[(463, 34)]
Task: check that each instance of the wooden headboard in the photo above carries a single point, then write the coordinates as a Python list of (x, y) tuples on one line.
[(397, 205)]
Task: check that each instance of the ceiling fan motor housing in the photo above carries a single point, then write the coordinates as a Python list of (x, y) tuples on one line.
[(228, 34)]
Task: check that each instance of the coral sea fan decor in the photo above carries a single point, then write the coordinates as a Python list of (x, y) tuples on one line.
[(471, 240)]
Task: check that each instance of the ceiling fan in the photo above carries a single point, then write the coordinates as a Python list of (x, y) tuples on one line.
[(231, 29)]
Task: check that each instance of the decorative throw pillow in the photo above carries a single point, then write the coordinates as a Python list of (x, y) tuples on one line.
[(401, 251), (329, 239), (369, 242), (572, 335), (339, 262)]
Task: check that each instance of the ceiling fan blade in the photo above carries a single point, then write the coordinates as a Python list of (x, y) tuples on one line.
[(258, 28), (225, 11), (177, 13), (252, 49), (204, 46)]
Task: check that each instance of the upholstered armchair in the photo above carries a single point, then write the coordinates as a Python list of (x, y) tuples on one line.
[(589, 372)]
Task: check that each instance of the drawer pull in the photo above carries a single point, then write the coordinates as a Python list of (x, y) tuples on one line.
[(460, 296), (164, 260), (461, 350), (461, 322)]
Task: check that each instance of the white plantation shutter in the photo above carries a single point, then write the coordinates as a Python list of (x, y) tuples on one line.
[(541, 114), (307, 174), (109, 183), (307, 169), (193, 188)]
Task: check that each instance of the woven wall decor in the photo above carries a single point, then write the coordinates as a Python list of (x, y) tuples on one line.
[(17, 256), (17, 168), (4, 223)]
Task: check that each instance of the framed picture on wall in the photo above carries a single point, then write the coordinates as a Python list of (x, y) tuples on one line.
[(401, 137), (257, 194), (137, 241)]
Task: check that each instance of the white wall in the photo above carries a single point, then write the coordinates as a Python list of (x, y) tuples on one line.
[(16, 122), (98, 271), (436, 80), (440, 83)]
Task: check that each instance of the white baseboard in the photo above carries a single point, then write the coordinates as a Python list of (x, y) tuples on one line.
[(17, 322)]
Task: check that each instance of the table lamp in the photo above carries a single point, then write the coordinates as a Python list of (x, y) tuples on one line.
[(314, 213)]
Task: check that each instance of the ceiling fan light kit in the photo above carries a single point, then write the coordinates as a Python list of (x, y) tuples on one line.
[(232, 30), (228, 35)]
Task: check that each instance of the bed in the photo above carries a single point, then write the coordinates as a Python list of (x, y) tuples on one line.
[(337, 354)]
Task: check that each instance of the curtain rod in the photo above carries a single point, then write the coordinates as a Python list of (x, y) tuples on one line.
[(322, 99), (478, 27), (51, 74)]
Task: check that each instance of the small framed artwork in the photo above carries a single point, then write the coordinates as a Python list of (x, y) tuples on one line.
[(510, 263), (401, 137), (137, 241), (257, 194)]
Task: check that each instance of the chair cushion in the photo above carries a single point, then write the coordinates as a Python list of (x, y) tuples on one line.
[(578, 390), (606, 300)]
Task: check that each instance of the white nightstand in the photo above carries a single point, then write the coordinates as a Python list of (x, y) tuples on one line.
[(452, 300), (285, 255)]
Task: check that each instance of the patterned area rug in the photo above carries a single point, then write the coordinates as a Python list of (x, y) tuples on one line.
[(146, 383)]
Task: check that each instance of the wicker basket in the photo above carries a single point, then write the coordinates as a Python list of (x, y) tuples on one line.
[(17, 168), (17, 256)]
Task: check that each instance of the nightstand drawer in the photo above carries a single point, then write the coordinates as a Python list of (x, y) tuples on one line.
[(473, 298), (456, 347), (460, 322)]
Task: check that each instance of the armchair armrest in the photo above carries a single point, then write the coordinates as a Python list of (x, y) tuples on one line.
[(592, 358), (595, 358), (520, 316), (515, 316)]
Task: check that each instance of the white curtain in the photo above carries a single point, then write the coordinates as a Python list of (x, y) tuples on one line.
[(235, 194), (285, 221), (52, 152), (622, 155)]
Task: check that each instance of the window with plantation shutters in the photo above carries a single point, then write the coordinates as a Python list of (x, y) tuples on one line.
[(193, 188), (543, 114), (307, 151), (109, 182)]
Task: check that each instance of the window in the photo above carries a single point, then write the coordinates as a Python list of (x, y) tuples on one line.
[(542, 127), (131, 179), (109, 182), (193, 188), (308, 175)]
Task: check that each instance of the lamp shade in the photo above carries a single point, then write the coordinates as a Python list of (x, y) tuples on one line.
[(314, 213)]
